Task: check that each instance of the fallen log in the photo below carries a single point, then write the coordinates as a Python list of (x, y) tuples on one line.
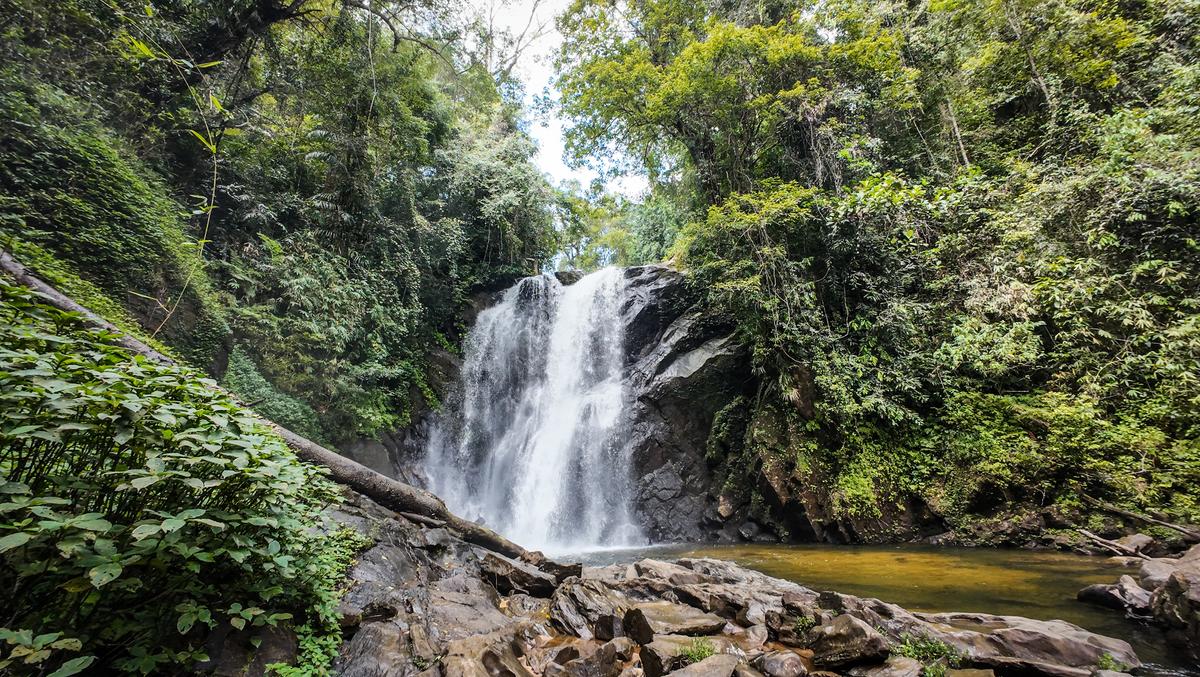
[(1112, 545), (389, 493), (1188, 534)]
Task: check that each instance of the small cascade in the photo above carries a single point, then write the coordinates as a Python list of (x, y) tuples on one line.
[(535, 446)]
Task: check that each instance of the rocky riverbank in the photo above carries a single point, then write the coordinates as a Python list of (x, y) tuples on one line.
[(421, 601), (1165, 591)]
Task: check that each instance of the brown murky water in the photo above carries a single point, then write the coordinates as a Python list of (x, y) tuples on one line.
[(1038, 585)]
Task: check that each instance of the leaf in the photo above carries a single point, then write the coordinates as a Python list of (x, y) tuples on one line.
[(216, 103), (14, 541), (73, 666), (211, 148), (95, 524), (185, 623), (145, 530), (173, 525), (142, 47), (143, 482), (209, 64), (105, 573), (237, 622)]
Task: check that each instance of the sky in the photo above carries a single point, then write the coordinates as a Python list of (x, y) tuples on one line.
[(536, 70)]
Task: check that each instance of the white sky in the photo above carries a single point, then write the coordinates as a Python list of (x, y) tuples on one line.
[(536, 70)]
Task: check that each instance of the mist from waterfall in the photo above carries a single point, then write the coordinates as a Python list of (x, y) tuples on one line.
[(534, 446)]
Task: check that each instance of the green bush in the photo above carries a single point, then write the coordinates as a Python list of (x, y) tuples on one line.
[(71, 188), (141, 506)]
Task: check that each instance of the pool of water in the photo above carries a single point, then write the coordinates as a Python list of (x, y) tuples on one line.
[(1038, 585)]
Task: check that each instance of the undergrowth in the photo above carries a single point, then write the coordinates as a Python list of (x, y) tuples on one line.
[(141, 507)]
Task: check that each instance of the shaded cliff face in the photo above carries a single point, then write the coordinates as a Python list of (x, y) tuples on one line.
[(682, 369)]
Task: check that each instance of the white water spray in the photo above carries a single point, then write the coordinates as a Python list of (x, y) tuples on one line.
[(536, 447)]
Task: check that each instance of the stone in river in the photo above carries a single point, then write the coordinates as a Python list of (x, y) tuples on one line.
[(646, 620)]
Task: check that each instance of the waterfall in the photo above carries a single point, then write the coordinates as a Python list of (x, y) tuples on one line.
[(535, 445)]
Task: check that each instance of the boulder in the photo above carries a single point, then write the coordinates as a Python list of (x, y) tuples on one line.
[(781, 664), (1126, 595), (1154, 572), (511, 576), (846, 641), (646, 620), (579, 604), (607, 661), (894, 666), (668, 652), (1137, 542), (970, 672), (719, 665), (1017, 644), (1176, 605)]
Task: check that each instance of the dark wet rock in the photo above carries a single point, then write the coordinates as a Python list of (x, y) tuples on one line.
[(486, 655), (781, 664), (1125, 595), (568, 277), (720, 665), (646, 620), (1176, 606), (970, 672), (509, 576), (1109, 673), (894, 666), (579, 604), (607, 661), (667, 652), (846, 641), (683, 368)]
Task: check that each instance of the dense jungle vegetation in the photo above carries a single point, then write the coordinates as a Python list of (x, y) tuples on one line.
[(960, 235), (294, 195)]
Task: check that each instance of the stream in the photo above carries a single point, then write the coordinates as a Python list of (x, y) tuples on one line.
[(1034, 584)]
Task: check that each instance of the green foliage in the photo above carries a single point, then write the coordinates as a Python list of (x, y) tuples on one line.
[(698, 650), (935, 655), (143, 506), (364, 185), (70, 189), (959, 236), (243, 379), (1107, 662)]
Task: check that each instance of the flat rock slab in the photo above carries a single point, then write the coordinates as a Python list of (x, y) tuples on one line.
[(894, 666), (511, 576), (720, 665), (644, 621)]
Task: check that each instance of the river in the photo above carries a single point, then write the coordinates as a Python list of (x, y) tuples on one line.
[(1034, 584)]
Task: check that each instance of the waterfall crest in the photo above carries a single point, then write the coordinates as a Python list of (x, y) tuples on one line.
[(536, 444)]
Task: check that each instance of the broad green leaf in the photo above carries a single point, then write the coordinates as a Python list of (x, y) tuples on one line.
[(14, 541), (73, 666), (104, 574)]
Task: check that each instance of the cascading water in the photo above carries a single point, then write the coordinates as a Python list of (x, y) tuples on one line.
[(536, 446)]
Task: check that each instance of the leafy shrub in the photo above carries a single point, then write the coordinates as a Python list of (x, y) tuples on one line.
[(141, 506), (698, 650), (934, 654)]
